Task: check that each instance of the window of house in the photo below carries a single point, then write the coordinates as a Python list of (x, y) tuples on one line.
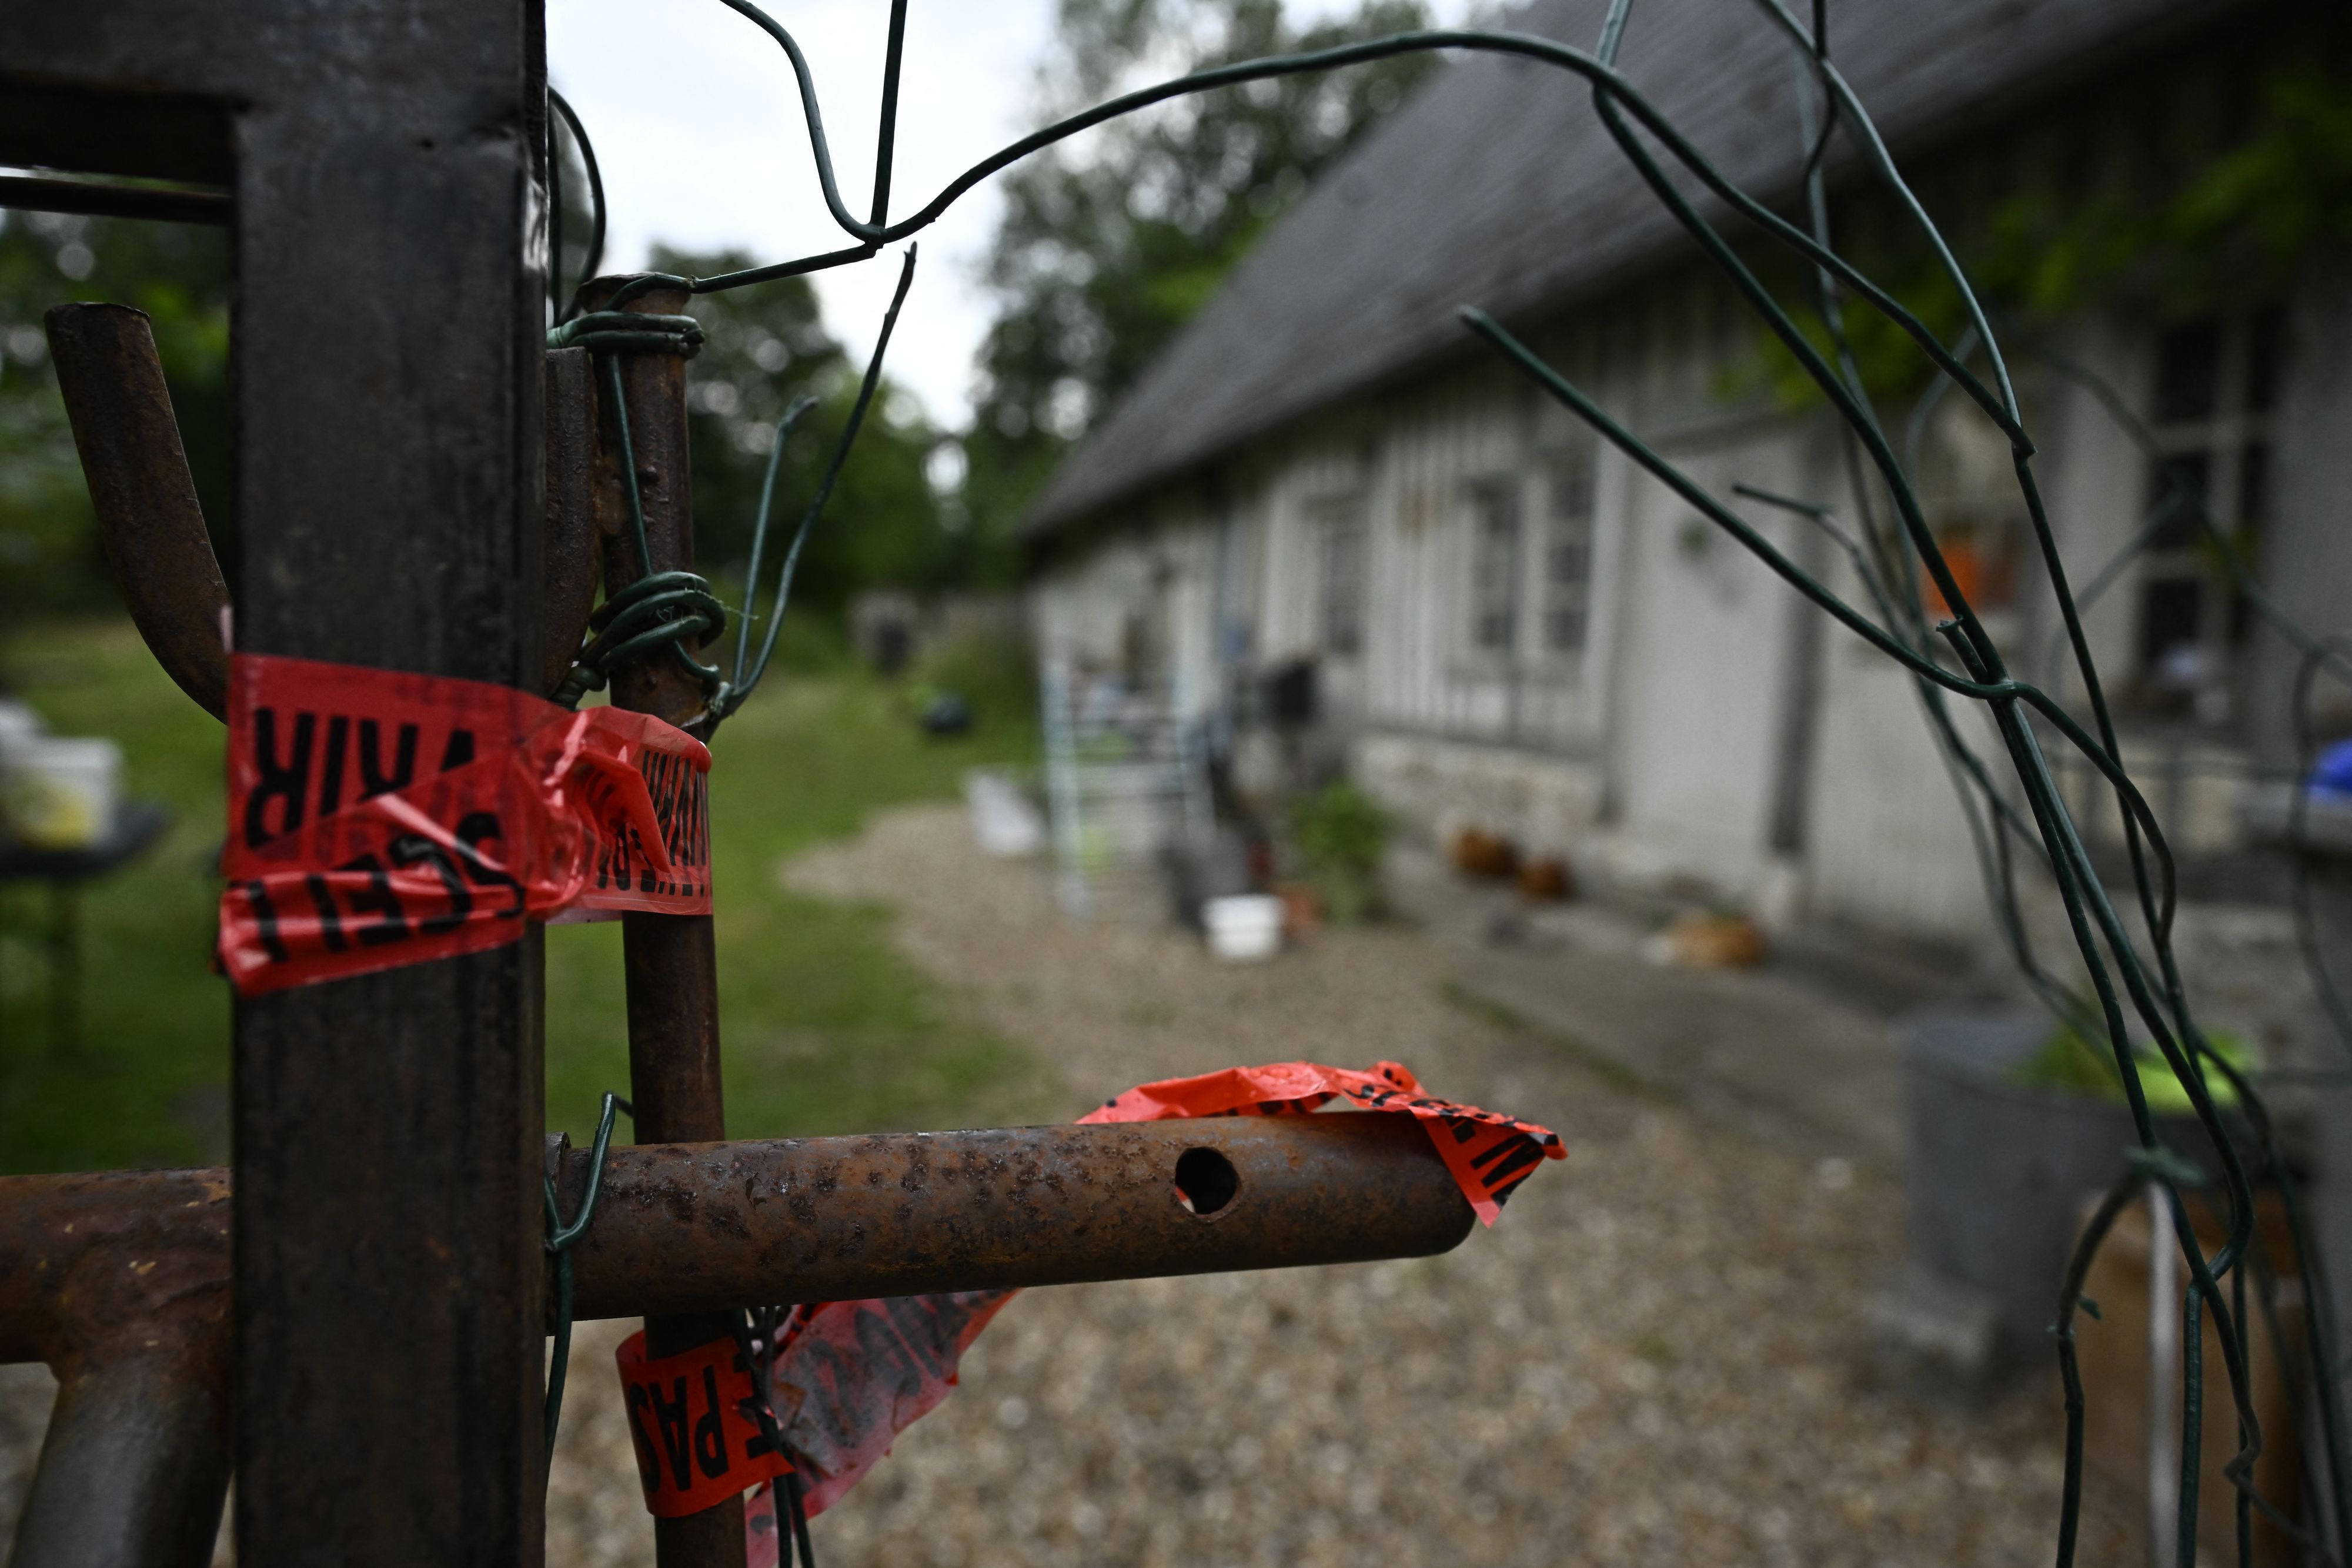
[(1340, 538), (2216, 381), (1568, 559), (1967, 486), (1495, 567)]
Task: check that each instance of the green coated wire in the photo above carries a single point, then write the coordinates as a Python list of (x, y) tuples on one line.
[(2179, 497), (568, 305), (1983, 662), (746, 682), (1989, 814), (561, 1238), (2241, 1220), (2122, 986), (670, 609), (758, 1332)]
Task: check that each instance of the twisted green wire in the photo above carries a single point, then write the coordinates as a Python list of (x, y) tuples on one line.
[(561, 1238), (2115, 969)]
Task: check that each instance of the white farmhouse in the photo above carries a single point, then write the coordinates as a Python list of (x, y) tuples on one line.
[(1512, 626)]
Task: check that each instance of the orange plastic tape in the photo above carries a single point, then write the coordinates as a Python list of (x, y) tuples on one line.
[(852, 1375), (1488, 1153), (377, 819), (690, 1419)]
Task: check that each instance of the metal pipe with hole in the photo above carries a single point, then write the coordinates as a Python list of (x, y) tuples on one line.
[(121, 1280), (698, 1227)]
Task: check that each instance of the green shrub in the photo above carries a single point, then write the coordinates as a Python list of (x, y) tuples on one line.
[(1340, 834), (2071, 1064), (995, 674)]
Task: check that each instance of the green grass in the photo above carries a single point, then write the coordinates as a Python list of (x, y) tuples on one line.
[(826, 1028), (150, 1084)]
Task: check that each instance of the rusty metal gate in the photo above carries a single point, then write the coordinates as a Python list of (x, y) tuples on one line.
[(354, 1319)]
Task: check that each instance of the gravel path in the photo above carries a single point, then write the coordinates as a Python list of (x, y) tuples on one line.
[(1654, 1358)]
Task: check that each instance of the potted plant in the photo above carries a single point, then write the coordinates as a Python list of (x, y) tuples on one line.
[(2014, 1123), (1340, 834)]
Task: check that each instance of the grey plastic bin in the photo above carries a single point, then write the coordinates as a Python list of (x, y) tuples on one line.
[(1998, 1172)]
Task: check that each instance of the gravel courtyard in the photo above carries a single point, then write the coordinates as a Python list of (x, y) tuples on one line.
[(1654, 1358)]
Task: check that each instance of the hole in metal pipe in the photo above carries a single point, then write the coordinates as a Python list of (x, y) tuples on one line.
[(1205, 1181)]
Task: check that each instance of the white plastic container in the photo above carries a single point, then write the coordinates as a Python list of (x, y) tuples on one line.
[(1244, 927), (19, 724), (60, 792), (1002, 820)]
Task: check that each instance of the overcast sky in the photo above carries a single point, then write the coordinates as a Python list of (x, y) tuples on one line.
[(698, 133)]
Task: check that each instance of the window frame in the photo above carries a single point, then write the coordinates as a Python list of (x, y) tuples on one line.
[(1479, 605), (1524, 581), (1576, 469), (1330, 520), (2232, 440)]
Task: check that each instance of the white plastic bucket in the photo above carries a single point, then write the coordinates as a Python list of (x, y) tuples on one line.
[(1244, 927), (19, 724), (60, 792), (1002, 820)]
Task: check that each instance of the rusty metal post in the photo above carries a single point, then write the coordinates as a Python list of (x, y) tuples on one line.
[(388, 357), (681, 1228), (388, 347), (669, 964), (121, 1283), (140, 488)]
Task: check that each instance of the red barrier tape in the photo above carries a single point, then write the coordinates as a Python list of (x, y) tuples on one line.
[(854, 1374), (346, 855), (690, 1420), (1488, 1153)]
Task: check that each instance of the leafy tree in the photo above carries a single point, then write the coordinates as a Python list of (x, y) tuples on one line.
[(178, 274), (1107, 248), (2192, 228), (767, 344)]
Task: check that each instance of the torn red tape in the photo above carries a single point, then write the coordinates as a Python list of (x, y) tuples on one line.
[(378, 819), (858, 1374), (1487, 1153), (691, 1422), (853, 1374)]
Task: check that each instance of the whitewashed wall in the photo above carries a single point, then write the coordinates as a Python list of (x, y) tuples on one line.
[(1661, 753)]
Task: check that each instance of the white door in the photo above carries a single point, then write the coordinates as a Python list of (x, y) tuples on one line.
[(1702, 679)]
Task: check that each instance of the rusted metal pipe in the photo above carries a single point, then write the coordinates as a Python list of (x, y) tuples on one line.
[(699, 1228), (668, 961), (121, 1283), (653, 383), (687, 1228), (153, 529), (148, 517)]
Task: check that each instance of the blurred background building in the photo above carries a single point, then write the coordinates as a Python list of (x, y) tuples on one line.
[(1508, 624)]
